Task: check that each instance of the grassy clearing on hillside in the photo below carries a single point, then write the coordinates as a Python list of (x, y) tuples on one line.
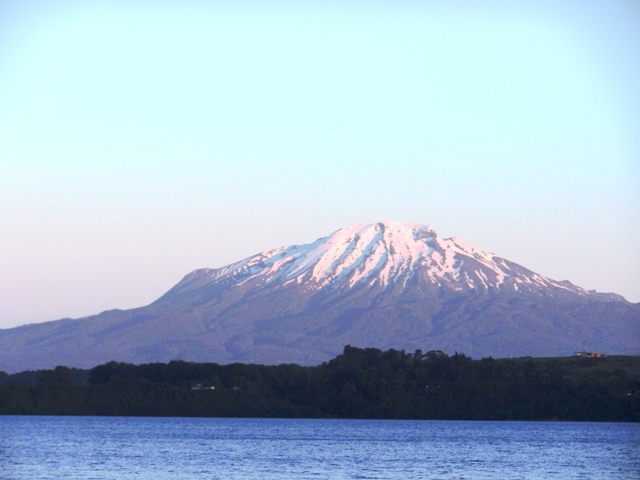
[(615, 365)]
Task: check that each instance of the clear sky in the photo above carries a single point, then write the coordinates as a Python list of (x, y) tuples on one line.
[(142, 140)]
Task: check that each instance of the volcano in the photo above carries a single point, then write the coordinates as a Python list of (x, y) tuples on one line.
[(385, 285)]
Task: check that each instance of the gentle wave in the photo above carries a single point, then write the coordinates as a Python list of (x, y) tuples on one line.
[(226, 448)]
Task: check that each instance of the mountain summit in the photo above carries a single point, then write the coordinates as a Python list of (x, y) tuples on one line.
[(383, 255), (384, 285)]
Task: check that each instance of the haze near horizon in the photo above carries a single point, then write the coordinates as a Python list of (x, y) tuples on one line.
[(141, 141)]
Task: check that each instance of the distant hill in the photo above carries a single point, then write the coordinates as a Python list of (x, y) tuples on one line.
[(384, 285)]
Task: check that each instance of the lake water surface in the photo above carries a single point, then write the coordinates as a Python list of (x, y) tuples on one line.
[(221, 448)]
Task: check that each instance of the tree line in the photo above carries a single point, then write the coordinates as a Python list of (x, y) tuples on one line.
[(359, 383)]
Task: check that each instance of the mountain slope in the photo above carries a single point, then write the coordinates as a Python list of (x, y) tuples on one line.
[(384, 285), (383, 255)]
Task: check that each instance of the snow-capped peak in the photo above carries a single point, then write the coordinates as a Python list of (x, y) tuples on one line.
[(383, 254)]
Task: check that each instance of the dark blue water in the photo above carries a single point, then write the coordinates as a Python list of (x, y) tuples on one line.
[(212, 448)]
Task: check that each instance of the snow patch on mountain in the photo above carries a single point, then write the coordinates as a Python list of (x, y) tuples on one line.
[(384, 254)]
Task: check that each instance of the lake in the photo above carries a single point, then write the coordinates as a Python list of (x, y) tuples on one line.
[(230, 448)]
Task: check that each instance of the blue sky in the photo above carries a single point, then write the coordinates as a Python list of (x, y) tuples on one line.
[(142, 140)]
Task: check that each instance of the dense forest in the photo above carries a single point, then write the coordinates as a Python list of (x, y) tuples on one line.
[(359, 383)]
